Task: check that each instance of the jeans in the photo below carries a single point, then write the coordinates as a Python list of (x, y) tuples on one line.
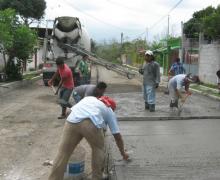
[(84, 80), (72, 135), (149, 94), (172, 93), (64, 96), (76, 97)]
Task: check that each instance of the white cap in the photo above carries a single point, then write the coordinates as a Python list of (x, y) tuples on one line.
[(148, 52), (191, 78)]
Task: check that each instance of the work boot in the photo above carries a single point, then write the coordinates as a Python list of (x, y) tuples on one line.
[(146, 105), (152, 107), (174, 104)]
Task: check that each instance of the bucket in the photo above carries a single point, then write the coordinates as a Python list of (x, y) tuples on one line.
[(76, 165)]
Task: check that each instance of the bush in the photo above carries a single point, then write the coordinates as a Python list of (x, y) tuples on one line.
[(40, 66), (31, 69)]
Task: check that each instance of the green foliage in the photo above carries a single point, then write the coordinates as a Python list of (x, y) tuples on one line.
[(25, 8), (110, 52), (13, 70), (24, 42), (18, 41), (7, 18), (206, 21)]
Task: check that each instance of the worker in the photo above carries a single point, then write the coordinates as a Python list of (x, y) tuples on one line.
[(88, 119), (218, 80), (82, 91), (175, 86), (151, 80), (66, 84), (84, 70), (176, 68)]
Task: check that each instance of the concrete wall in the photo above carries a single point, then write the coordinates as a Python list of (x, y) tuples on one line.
[(39, 59), (29, 65), (209, 62)]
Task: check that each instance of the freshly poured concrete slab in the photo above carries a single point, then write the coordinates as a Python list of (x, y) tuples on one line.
[(131, 105), (169, 150)]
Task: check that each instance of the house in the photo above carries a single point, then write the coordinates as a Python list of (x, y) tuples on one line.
[(37, 58)]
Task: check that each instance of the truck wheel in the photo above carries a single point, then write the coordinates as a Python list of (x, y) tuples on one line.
[(45, 83)]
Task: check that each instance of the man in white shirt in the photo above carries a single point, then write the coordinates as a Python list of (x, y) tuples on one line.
[(88, 119), (175, 85), (218, 80)]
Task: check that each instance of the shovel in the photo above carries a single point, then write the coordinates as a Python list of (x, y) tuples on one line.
[(180, 108), (53, 89)]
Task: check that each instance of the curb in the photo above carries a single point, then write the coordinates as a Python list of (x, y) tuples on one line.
[(205, 94), (199, 92), (7, 87), (166, 118)]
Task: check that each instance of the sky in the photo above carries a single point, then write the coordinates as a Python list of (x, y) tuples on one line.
[(106, 20)]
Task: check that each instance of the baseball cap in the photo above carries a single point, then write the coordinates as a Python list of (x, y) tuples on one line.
[(109, 102), (150, 53), (191, 78)]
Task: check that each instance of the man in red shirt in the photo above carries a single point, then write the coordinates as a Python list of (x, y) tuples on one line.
[(67, 84)]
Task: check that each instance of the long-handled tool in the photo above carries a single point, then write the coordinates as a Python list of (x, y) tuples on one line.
[(58, 88), (180, 108), (53, 89)]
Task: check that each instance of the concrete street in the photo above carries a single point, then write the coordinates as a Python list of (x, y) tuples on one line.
[(164, 144), (170, 150)]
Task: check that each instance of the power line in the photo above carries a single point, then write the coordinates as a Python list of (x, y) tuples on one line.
[(123, 6), (93, 17), (154, 25)]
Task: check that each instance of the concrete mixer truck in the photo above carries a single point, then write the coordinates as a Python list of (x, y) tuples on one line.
[(66, 38)]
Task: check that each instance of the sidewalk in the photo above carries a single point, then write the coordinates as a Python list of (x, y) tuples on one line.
[(9, 86)]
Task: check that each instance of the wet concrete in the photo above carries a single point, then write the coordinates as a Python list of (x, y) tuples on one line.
[(169, 150), (176, 149), (131, 105), (186, 148)]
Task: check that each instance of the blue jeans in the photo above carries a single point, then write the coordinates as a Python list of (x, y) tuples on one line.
[(64, 96), (76, 97), (149, 94)]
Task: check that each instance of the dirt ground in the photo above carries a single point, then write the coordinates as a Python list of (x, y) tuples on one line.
[(30, 131)]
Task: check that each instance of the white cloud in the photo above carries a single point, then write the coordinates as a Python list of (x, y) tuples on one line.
[(106, 19)]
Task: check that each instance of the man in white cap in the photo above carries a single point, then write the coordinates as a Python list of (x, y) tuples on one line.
[(151, 80), (175, 86), (88, 119)]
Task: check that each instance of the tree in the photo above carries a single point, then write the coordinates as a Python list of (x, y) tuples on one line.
[(212, 24), (18, 42), (205, 21), (27, 9)]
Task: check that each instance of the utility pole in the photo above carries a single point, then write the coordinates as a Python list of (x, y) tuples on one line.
[(168, 26), (121, 47), (146, 38), (121, 38), (182, 44), (168, 47)]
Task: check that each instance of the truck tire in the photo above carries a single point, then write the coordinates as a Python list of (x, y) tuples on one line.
[(45, 83)]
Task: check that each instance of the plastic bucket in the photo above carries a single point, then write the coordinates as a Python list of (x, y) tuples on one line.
[(76, 165)]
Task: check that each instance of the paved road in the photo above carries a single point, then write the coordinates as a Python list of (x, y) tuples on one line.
[(30, 133), (170, 150)]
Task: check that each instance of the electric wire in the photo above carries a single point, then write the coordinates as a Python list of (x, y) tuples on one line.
[(174, 7), (93, 17), (158, 21)]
